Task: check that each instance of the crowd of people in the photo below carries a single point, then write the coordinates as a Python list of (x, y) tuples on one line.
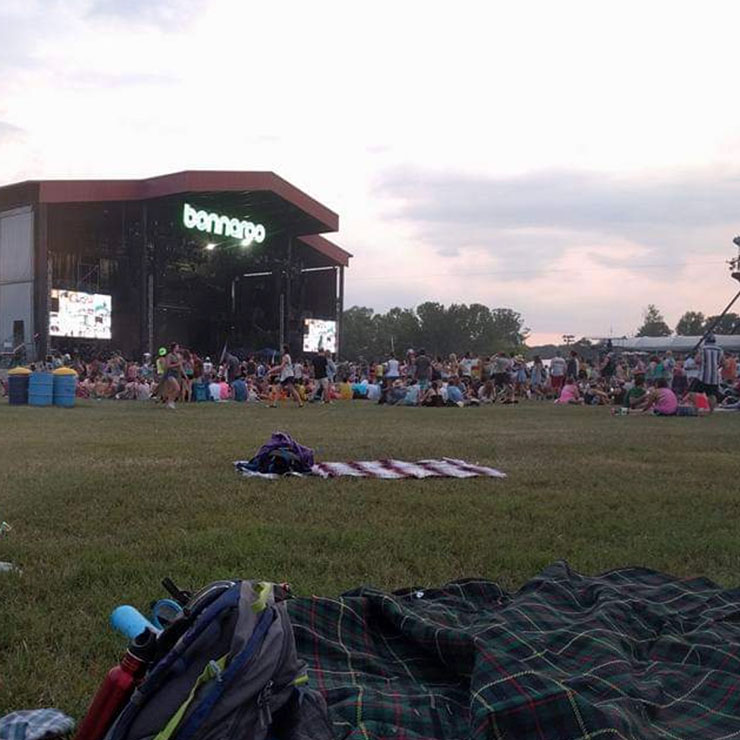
[(178, 374), (663, 384)]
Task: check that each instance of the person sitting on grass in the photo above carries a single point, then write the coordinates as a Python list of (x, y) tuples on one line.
[(636, 394), (570, 393), (413, 394), (433, 395), (697, 400), (507, 395), (455, 396), (660, 399), (487, 392), (596, 394), (394, 394)]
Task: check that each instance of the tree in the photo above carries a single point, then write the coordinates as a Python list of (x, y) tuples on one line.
[(691, 324), (728, 324), (439, 329), (653, 324), (395, 331), (358, 332), (437, 333), (508, 331)]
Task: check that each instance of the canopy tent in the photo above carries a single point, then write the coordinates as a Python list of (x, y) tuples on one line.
[(675, 343)]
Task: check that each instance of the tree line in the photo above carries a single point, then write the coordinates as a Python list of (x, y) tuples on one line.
[(692, 323), (439, 329)]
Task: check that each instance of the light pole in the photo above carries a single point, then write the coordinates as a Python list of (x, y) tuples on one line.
[(735, 273)]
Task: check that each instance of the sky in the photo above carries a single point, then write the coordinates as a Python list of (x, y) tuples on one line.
[(574, 161)]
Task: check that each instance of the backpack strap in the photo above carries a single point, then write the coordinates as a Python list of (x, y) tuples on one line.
[(212, 670), (235, 667)]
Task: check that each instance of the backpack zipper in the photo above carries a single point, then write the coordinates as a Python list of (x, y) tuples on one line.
[(263, 705), (238, 664)]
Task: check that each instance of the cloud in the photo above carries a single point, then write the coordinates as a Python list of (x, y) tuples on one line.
[(538, 214), (9, 132), (166, 14), (97, 79)]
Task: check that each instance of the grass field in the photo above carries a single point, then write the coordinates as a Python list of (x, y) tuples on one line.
[(108, 498)]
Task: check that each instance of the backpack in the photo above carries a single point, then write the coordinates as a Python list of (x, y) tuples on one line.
[(226, 668), (281, 454)]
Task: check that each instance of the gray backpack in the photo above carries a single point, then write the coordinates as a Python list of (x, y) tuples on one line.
[(226, 668)]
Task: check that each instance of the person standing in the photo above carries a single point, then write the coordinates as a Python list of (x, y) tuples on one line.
[(669, 366), (233, 367), (557, 372), (207, 370), (679, 383), (320, 375), (392, 371), (465, 366), (537, 377), (173, 375), (423, 370), (711, 361), (331, 368), (691, 368), (287, 377)]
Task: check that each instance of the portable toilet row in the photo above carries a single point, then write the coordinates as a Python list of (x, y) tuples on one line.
[(42, 389)]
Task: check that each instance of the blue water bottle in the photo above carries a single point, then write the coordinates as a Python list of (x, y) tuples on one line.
[(130, 621)]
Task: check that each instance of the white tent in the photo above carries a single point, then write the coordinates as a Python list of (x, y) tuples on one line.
[(730, 342)]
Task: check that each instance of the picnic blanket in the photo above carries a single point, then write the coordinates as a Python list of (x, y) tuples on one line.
[(446, 467), (35, 724), (629, 654)]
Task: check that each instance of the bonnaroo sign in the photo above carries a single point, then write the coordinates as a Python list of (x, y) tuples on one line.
[(213, 223)]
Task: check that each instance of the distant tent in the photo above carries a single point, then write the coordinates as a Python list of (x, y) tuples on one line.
[(675, 343)]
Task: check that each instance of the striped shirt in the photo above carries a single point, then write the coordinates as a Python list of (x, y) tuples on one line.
[(711, 361)]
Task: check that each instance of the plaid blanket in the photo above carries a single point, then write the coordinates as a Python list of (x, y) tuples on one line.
[(34, 724), (629, 654)]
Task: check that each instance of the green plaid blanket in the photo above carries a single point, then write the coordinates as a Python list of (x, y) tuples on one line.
[(628, 654)]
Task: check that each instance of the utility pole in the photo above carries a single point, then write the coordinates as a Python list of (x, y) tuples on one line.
[(734, 273)]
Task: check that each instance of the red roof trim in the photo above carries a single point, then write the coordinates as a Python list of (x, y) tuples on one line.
[(190, 181), (327, 248)]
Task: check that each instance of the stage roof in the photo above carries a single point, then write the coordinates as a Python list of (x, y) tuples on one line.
[(309, 217)]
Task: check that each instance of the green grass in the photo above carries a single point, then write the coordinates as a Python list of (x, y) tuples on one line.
[(108, 498)]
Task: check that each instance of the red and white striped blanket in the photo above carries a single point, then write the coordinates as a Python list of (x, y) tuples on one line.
[(446, 467)]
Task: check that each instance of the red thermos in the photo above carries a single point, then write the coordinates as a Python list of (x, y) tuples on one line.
[(117, 688)]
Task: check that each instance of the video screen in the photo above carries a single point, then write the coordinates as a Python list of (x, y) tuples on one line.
[(83, 315), (319, 334)]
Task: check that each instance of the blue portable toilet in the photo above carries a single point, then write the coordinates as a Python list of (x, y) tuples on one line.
[(40, 389), (18, 386), (65, 387)]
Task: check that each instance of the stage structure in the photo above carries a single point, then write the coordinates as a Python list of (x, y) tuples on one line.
[(201, 258)]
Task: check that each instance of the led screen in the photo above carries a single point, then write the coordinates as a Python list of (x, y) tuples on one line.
[(83, 315), (319, 334)]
